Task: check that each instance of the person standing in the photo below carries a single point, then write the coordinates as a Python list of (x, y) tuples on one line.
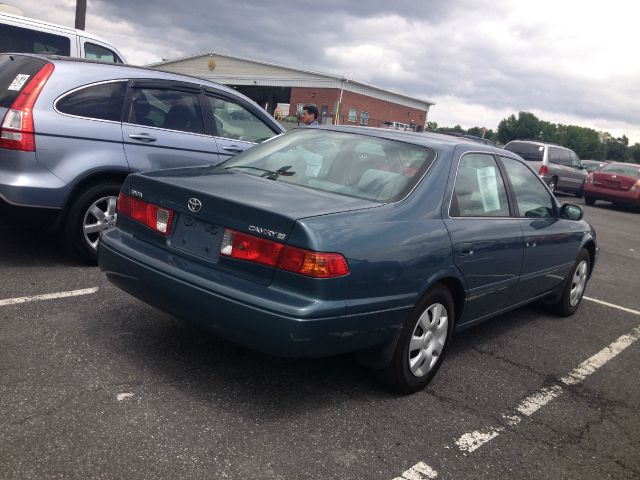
[(309, 115)]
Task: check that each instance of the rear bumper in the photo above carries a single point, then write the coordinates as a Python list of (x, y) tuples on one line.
[(255, 316), (619, 196)]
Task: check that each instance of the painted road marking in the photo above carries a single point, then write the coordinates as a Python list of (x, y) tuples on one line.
[(420, 471), (612, 305), (48, 296)]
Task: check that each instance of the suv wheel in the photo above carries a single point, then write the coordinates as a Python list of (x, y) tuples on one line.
[(93, 211)]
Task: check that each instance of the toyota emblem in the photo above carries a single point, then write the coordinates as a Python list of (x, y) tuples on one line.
[(194, 205)]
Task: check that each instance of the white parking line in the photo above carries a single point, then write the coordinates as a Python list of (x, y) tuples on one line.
[(471, 441), (48, 296)]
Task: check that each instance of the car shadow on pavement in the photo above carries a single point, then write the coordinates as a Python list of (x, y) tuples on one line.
[(157, 349), (28, 247)]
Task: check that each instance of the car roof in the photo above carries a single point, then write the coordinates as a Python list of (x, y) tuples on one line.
[(28, 21), (127, 70), (426, 139), (539, 142)]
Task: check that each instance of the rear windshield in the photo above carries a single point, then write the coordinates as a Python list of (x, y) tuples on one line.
[(528, 151), (629, 170), (358, 166), (15, 73)]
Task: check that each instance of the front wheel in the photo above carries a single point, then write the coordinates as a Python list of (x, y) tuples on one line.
[(422, 343), (589, 200), (574, 286), (93, 211)]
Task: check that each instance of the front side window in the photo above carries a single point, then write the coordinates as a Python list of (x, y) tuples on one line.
[(343, 163), (353, 115), (234, 121), (103, 102), (24, 40), (560, 156), (101, 54), (479, 190), (170, 109), (532, 198)]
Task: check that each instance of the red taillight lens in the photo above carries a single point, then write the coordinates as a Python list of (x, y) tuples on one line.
[(544, 170), (636, 186), (266, 252), (17, 131), (153, 216)]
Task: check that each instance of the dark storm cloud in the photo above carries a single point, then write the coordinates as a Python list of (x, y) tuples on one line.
[(437, 56)]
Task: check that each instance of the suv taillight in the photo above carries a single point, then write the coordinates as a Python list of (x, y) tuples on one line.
[(274, 254), (544, 170), (17, 131), (153, 216)]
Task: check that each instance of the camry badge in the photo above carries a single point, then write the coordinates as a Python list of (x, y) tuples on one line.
[(194, 205)]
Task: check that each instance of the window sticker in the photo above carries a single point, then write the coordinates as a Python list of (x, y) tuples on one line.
[(488, 188), (18, 82)]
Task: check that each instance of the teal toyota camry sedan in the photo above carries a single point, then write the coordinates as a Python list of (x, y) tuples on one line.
[(334, 239)]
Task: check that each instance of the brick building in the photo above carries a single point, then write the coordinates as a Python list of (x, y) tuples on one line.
[(339, 99)]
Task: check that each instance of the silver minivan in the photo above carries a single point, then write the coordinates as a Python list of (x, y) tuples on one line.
[(71, 130), (559, 167)]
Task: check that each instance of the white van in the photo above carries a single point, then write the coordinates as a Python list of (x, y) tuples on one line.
[(20, 34)]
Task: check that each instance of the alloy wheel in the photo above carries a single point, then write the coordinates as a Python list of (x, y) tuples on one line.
[(100, 216)]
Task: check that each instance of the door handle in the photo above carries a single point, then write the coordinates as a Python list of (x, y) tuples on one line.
[(465, 249), (143, 137), (531, 243), (233, 149)]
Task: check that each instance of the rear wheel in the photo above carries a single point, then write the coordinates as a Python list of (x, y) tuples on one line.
[(574, 286), (93, 211), (589, 200), (422, 344)]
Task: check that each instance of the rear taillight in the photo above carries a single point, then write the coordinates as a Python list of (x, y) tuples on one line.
[(589, 178), (544, 170), (17, 131), (636, 186), (153, 216), (267, 252)]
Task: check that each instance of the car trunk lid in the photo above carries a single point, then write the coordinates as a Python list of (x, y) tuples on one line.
[(614, 181), (206, 201)]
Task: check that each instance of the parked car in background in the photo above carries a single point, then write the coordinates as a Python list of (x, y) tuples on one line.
[(72, 130), (593, 165), (21, 34), (617, 182), (339, 239), (558, 166)]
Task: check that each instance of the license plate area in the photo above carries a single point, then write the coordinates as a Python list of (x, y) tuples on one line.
[(197, 238)]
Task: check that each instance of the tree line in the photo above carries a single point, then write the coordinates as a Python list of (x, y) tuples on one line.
[(586, 142)]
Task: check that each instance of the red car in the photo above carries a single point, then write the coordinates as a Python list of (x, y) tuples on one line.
[(617, 182)]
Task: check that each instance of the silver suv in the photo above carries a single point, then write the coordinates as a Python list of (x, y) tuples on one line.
[(72, 130), (558, 166)]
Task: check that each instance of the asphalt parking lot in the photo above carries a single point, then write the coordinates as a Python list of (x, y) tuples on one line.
[(95, 384)]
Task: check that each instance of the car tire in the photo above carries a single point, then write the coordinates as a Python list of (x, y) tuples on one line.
[(579, 193), (426, 334), (553, 183), (589, 200), (92, 211), (574, 287)]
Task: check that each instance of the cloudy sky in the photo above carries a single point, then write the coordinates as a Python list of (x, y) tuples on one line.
[(567, 61)]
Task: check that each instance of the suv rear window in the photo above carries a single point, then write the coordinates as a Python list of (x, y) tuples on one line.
[(15, 73), (358, 166), (103, 101), (528, 151), (25, 40)]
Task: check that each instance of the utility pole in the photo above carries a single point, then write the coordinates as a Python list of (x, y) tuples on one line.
[(81, 13)]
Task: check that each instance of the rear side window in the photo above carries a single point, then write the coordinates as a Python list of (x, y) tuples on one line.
[(560, 156), (103, 102), (479, 190), (15, 73), (170, 109), (236, 122), (528, 151), (99, 53), (25, 40)]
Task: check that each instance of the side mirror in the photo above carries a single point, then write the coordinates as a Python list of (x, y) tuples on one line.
[(570, 211)]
